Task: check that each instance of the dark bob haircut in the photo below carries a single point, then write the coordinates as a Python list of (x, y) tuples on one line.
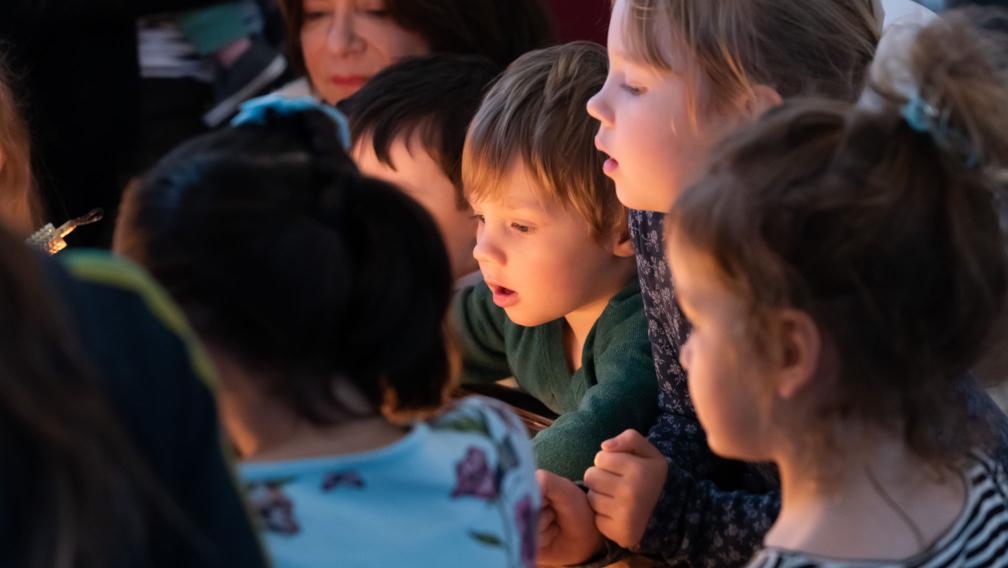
[(296, 266), (433, 98)]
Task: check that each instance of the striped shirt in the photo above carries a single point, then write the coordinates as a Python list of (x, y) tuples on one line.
[(978, 537)]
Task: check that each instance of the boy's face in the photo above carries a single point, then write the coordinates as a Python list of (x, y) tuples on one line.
[(725, 381), (417, 174), (539, 258), (654, 142)]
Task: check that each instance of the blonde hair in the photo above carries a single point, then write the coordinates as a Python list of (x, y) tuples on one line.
[(535, 113), (797, 47), (20, 210)]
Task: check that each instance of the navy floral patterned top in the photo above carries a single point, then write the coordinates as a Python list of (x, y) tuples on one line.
[(459, 490)]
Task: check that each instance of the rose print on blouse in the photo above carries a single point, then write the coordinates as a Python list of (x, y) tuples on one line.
[(342, 479), (527, 520), (477, 478), (272, 507), (474, 478)]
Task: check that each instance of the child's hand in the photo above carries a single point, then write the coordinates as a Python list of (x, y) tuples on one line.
[(567, 533), (624, 486)]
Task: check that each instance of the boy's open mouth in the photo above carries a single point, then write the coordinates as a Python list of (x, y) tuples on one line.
[(503, 297)]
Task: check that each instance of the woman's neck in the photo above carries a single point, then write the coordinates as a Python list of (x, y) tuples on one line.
[(879, 501)]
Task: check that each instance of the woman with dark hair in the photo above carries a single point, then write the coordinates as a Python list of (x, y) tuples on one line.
[(321, 296), (341, 44)]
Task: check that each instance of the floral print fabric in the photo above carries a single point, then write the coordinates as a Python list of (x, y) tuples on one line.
[(458, 490)]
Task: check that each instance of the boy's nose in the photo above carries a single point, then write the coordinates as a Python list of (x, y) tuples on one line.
[(486, 252)]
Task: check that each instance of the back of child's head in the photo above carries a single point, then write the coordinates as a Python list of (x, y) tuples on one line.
[(879, 220), (430, 98), (19, 207), (287, 260), (534, 115), (796, 47)]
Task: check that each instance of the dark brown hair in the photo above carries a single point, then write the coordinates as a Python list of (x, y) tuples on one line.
[(500, 30), (535, 113), (432, 97), (883, 228), (286, 259), (798, 47)]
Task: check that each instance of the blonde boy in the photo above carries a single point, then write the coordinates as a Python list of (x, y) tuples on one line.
[(560, 308)]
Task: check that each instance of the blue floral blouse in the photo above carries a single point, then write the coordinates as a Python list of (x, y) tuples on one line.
[(458, 490)]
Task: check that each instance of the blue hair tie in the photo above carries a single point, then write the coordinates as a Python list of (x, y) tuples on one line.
[(920, 115), (254, 111), (925, 118)]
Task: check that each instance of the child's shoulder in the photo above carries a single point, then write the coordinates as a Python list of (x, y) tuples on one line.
[(479, 415)]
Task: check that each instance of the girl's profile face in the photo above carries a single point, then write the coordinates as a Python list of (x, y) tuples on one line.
[(346, 42), (654, 142), (726, 383)]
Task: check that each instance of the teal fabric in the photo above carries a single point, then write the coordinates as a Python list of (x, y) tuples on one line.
[(615, 389), (214, 27)]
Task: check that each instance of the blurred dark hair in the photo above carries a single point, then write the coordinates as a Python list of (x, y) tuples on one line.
[(431, 97), (500, 30), (302, 270), (885, 231)]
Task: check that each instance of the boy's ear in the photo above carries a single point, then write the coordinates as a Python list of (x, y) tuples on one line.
[(622, 246), (799, 350), (761, 99)]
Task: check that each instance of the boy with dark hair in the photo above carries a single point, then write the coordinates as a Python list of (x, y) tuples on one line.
[(408, 125)]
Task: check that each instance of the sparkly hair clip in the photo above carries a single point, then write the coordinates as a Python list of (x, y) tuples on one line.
[(49, 239), (254, 111), (926, 118)]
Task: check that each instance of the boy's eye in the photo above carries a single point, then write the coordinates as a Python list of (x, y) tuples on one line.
[(521, 228), (478, 217)]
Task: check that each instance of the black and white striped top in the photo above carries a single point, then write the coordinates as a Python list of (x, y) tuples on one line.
[(978, 538)]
